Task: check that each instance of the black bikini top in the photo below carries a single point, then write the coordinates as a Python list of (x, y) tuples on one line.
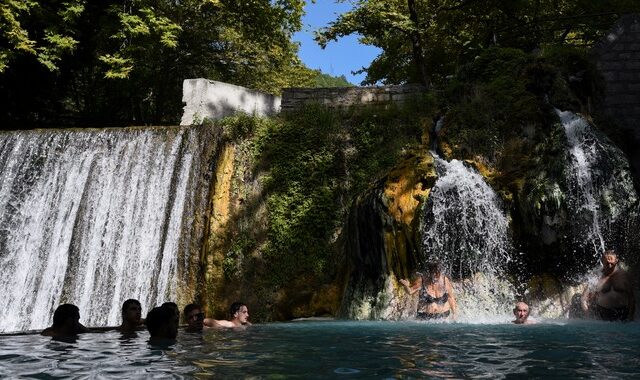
[(428, 298)]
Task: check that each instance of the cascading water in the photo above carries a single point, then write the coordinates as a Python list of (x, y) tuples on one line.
[(601, 192), (92, 218), (465, 229)]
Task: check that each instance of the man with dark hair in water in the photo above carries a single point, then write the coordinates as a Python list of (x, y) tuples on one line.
[(176, 312), (239, 317), (161, 323), (613, 298), (195, 319), (131, 316), (66, 322)]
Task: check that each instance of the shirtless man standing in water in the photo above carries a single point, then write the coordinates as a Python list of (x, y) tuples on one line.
[(613, 298)]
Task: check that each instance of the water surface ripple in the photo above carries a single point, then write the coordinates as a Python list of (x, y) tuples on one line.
[(339, 350)]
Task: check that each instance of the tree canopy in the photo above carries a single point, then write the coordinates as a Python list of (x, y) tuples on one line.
[(423, 41), (123, 61)]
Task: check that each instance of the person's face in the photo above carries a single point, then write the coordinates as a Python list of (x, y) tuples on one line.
[(133, 313), (521, 312), (242, 315), (609, 262), (195, 319)]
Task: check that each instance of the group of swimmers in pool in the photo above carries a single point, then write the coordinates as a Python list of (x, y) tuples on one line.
[(612, 299), (162, 322)]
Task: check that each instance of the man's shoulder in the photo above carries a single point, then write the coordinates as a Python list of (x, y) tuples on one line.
[(219, 323), (621, 275)]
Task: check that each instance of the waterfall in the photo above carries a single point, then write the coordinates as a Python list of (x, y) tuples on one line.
[(601, 192), (465, 228), (92, 217)]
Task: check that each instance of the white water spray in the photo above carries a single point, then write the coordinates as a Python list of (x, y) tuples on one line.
[(584, 149), (602, 197), (91, 218), (465, 228)]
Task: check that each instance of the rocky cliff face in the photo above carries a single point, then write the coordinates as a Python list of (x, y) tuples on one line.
[(320, 212), (566, 187)]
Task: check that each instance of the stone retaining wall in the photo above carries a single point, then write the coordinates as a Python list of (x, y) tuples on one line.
[(618, 58), (294, 98)]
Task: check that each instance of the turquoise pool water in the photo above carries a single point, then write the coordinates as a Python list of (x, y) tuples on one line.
[(340, 350)]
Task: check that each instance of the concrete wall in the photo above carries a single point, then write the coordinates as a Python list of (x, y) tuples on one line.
[(618, 58), (209, 99), (294, 98)]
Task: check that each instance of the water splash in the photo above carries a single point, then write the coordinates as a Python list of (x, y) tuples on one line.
[(601, 193), (91, 218), (463, 225), (584, 150), (465, 228)]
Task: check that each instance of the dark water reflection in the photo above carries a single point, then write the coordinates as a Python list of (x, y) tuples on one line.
[(339, 350)]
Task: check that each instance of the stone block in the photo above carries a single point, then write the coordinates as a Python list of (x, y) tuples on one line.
[(366, 97), (618, 46), (626, 76), (208, 99), (628, 99), (611, 66), (608, 56)]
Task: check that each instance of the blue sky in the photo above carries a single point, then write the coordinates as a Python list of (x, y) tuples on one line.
[(338, 58)]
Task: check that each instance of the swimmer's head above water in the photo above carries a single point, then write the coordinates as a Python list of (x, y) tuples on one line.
[(521, 312)]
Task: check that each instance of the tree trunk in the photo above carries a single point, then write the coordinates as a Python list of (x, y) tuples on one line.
[(416, 45)]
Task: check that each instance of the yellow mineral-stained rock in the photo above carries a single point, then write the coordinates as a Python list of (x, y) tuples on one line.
[(407, 184), (220, 200)]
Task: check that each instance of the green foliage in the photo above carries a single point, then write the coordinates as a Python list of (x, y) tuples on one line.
[(232, 264), (257, 130), (577, 71), (325, 80), (314, 162), (49, 40), (436, 37), (494, 98), (124, 62)]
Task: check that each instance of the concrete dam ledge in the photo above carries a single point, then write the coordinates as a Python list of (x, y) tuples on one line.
[(213, 100)]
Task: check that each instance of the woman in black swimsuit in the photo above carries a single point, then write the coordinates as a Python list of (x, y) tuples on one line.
[(436, 299)]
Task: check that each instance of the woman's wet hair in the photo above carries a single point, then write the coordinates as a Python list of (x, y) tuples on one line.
[(158, 318), (64, 313), (433, 267)]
